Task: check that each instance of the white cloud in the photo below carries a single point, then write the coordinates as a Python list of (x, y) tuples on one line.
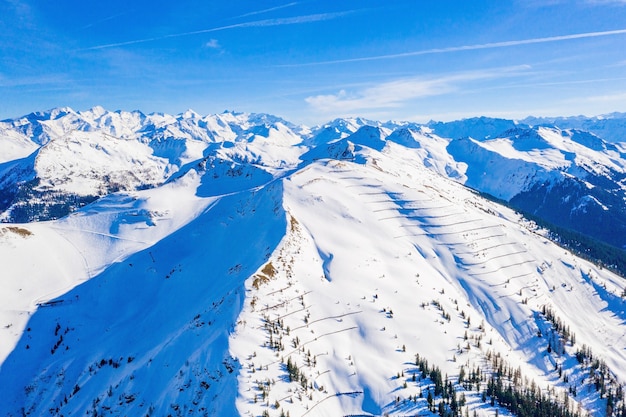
[(395, 93), (607, 98), (385, 95), (213, 44)]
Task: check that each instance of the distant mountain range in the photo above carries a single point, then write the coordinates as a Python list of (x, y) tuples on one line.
[(239, 264), (558, 169)]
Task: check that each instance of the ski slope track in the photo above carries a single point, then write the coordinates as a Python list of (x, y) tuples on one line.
[(252, 267)]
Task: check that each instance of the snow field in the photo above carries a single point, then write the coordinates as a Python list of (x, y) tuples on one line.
[(362, 296)]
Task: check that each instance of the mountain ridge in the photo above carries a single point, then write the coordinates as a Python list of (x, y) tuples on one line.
[(528, 156), (311, 272)]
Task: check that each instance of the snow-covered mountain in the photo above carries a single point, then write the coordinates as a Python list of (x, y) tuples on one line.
[(611, 127), (570, 178), (62, 159), (237, 264)]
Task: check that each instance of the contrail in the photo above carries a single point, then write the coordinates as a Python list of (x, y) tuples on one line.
[(491, 45), (104, 19), (266, 10), (257, 23)]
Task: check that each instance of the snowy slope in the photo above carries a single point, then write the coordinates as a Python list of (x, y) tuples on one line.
[(570, 178), (273, 269), (374, 255), (13, 145), (165, 306)]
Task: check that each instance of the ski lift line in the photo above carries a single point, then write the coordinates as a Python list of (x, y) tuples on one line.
[(496, 257), (391, 200), (515, 293), (506, 254), (477, 251), (496, 285), (293, 312), (286, 315), (390, 218), (412, 201), (325, 372), (522, 275), (327, 318), (285, 302), (472, 253), (414, 235), (405, 225), (284, 398), (410, 210), (338, 394), (434, 216), (315, 339), (507, 296), (466, 266), (429, 208), (452, 224), (465, 243), (385, 209), (278, 290), (489, 237), (504, 267), (509, 254), (465, 231)]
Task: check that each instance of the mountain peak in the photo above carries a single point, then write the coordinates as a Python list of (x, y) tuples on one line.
[(190, 114), (96, 111), (370, 136)]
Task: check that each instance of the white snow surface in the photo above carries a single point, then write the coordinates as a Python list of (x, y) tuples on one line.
[(14, 145), (362, 252), (126, 164)]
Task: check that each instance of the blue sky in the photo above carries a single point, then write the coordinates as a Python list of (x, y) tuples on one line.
[(312, 61)]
